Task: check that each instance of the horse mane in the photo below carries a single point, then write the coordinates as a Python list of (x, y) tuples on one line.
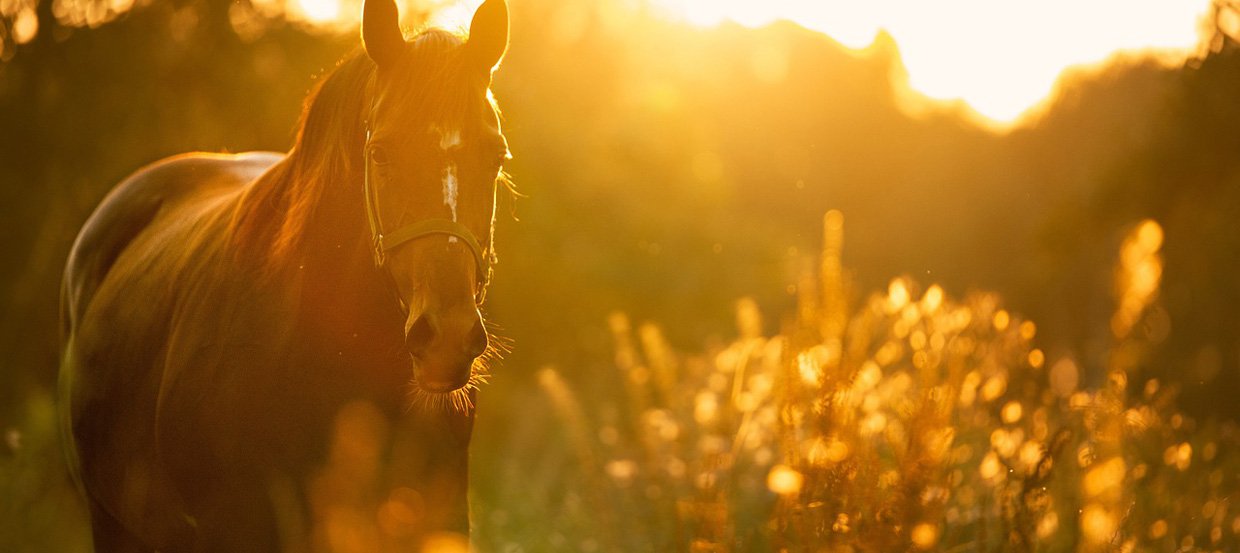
[(274, 212)]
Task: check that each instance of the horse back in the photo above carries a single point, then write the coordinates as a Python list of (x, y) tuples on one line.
[(132, 207)]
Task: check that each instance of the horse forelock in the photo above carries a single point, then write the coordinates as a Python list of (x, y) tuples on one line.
[(430, 82)]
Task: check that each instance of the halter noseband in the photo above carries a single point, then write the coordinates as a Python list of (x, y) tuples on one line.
[(386, 242)]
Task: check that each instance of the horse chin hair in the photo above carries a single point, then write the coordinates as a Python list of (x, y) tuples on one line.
[(457, 400)]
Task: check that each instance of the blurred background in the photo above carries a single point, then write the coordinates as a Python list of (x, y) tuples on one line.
[(677, 155)]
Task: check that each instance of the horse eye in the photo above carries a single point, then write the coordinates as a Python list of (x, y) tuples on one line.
[(379, 155)]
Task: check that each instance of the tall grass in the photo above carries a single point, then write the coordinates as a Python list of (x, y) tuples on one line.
[(900, 420), (908, 421)]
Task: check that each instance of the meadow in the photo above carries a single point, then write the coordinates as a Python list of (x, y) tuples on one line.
[(901, 419)]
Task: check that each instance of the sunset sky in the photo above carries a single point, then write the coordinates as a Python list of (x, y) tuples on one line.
[(1001, 57)]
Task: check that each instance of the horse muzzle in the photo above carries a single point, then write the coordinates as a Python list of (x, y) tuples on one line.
[(445, 347)]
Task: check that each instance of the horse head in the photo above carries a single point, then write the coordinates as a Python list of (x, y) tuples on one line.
[(434, 154)]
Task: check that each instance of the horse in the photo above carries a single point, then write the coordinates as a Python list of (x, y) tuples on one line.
[(281, 352)]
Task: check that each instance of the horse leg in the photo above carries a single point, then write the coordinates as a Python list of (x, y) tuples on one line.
[(110, 536)]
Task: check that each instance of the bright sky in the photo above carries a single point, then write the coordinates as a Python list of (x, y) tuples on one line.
[(1002, 57), (451, 14), (320, 10)]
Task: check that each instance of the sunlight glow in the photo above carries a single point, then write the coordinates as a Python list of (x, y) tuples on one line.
[(342, 15), (1001, 57), (784, 480), (320, 10), (451, 14)]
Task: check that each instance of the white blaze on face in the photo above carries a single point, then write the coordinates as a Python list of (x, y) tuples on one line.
[(448, 139)]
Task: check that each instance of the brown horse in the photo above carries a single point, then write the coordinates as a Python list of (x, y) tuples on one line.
[(267, 352)]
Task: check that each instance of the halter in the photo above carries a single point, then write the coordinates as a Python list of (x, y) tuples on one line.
[(386, 242)]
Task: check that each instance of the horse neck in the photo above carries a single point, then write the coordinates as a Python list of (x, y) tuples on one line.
[(336, 232), (348, 323), (321, 192), (335, 254)]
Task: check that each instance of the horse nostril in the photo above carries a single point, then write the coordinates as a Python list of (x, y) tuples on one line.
[(420, 333), (477, 344)]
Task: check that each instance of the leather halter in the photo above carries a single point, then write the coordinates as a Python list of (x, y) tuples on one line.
[(385, 242)]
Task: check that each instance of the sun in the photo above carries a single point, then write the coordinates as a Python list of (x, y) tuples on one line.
[(320, 11), (1001, 57), (341, 15)]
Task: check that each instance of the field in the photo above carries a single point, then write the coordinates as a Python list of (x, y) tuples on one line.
[(911, 421), (907, 420)]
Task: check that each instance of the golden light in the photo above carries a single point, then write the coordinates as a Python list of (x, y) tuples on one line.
[(1048, 525), (1105, 478), (994, 387), (450, 14), (990, 467), (320, 11), (1002, 319), (1180, 456), (932, 299), (1138, 276), (339, 15), (809, 368), (867, 377), (1001, 57), (1036, 358), (897, 295), (25, 26), (1005, 443), (1064, 377), (784, 480), (1031, 453), (621, 470), (1011, 412), (1098, 524), (827, 451), (1158, 529), (925, 535), (705, 407), (445, 542)]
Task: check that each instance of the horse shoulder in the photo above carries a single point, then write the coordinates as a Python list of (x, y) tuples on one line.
[(118, 305), (124, 268), (226, 363)]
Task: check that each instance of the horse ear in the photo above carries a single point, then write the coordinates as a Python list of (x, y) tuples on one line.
[(488, 34), (381, 36)]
